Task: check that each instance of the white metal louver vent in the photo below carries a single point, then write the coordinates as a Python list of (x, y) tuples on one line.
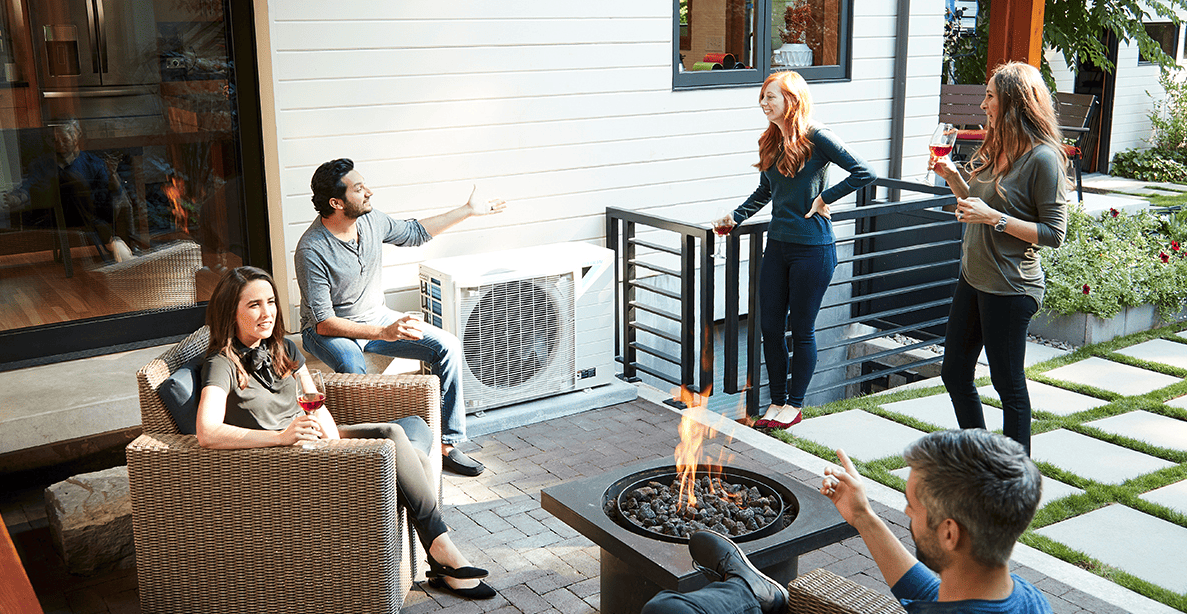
[(518, 339)]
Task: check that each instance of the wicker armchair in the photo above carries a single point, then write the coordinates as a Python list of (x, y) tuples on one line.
[(823, 592), (275, 529), (161, 278)]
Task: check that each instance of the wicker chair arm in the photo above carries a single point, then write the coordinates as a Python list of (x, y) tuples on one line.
[(354, 399), (823, 592)]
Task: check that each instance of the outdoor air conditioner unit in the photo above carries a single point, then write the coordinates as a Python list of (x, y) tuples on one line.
[(533, 322)]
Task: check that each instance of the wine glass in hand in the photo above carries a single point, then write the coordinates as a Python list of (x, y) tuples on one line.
[(722, 227), (941, 144), (312, 396)]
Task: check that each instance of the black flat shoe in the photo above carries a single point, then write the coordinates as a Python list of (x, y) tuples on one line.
[(482, 591), (437, 570), (457, 462)]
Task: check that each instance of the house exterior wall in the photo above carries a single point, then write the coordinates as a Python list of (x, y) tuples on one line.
[(562, 109)]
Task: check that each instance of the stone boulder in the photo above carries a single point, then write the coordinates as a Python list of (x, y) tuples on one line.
[(90, 519)]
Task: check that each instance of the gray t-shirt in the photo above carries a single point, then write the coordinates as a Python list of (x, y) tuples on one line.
[(1035, 191), (340, 278), (255, 407)]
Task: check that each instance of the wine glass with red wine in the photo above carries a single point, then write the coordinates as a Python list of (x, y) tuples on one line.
[(311, 399), (941, 144), (721, 230)]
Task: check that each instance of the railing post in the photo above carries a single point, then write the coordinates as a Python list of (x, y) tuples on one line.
[(730, 343), (688, 307), (708, 274), (629, 271), (753, 344)]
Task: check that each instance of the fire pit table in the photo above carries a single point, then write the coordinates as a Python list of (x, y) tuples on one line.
[(636, 566)]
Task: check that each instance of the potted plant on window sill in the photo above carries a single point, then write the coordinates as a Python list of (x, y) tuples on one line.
[(798, 22)]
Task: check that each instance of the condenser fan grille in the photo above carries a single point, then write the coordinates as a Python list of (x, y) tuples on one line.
[(515, 330)]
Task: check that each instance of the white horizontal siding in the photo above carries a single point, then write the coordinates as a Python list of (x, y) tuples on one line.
[(563, 109)]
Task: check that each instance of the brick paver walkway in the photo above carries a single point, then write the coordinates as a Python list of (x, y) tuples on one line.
[(537, 563)]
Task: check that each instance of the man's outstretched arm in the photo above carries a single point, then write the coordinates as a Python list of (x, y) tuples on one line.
[(843, 486), (440, 223)]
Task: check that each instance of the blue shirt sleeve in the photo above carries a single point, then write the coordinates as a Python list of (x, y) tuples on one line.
[(834, 150), (757, 200)]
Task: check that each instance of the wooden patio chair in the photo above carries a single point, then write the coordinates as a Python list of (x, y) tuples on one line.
[(823, 592), (960, 105), (275, 529), (1076, 113)]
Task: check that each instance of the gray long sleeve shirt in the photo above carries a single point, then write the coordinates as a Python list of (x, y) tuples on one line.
[(340, 278), (1035, 191)]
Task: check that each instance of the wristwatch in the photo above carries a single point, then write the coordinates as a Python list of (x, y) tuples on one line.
[(1000, 226)]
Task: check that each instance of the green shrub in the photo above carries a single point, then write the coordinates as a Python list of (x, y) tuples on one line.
[(1168, 117), (1151, 164), (1117, 260)]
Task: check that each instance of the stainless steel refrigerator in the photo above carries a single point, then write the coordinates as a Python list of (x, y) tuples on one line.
[(98, 61)]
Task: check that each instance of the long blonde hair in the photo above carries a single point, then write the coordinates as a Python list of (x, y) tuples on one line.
[(787, 149), (1025, 117)]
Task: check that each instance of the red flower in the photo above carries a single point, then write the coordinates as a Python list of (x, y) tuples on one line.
[(1087, 289), (1115, 214), (1165, 258), (1174, 246)]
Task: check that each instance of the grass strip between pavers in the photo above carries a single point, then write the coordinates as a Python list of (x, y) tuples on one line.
[(1096, 495)]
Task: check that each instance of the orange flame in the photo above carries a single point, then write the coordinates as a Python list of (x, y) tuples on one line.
[(696, 426), (173, 191)]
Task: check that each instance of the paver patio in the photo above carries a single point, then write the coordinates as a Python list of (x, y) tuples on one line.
[(1051, 399), (1159, 350), (1092, 458)]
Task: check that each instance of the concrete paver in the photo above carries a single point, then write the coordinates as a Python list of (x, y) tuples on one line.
[(1159, 350), (1051, 399), (1180, 402), (1173, 496), (861, 434), (937, 410), (1153, 429), (1109, 535), (1092, 458), (1112, 376)]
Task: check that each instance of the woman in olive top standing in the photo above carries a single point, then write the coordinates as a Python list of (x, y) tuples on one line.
[(1014, 201), (800, 255)]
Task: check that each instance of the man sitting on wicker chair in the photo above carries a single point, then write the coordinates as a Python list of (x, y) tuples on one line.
[(970, 494)]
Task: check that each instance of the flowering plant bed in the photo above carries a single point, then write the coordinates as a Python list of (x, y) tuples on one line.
[(1117, 260)]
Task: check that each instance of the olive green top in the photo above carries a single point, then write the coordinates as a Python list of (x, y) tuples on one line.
[(1034, 190)]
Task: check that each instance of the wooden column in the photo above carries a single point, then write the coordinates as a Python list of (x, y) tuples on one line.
[(1015, 33)]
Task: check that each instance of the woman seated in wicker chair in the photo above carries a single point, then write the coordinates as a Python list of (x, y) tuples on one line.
[(249, 400)]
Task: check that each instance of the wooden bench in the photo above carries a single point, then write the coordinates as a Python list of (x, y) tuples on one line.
[(960, 105)]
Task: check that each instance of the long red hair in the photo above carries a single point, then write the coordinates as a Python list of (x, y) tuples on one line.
[(789, 148)]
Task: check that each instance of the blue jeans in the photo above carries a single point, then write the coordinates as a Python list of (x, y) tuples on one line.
[(730, 597), (791, 284), (440, 349), (998, 323)]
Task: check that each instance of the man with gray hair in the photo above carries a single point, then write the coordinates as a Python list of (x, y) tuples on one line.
[(970, 494)]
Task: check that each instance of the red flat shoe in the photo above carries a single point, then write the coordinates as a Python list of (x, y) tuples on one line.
[(762, 423), (787, 425)]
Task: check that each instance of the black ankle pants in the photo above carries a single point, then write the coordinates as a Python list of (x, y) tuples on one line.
[(998, 323)]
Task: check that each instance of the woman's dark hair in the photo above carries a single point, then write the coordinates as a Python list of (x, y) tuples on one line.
[(221, 314), (327, 184)]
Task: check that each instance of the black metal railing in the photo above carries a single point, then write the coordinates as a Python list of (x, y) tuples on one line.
[(894, 277)]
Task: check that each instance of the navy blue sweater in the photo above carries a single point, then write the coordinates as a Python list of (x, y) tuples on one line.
[(792, 197)]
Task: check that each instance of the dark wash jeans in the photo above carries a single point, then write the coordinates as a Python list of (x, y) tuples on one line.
[(791, 284), (998, 323), (730, 597)]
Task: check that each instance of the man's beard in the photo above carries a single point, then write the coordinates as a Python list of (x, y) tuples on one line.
[(930, 554), (353, 212)]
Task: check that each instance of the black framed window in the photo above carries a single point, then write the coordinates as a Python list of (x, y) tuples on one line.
[(729, 43), (1166, 34), (133, 179)]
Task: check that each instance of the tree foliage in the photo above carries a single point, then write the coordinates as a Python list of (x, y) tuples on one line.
[(1075, 29)]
